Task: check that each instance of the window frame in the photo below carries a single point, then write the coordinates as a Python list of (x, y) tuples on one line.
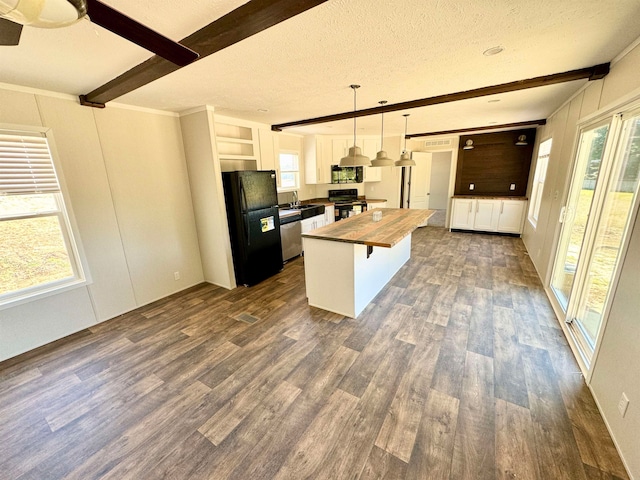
[(295, 172), (68, 229), (539, 179)]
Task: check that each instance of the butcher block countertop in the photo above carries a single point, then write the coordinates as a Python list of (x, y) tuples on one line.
[(396, 224)]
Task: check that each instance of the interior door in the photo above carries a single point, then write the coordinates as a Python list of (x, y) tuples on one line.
[(420, 181)]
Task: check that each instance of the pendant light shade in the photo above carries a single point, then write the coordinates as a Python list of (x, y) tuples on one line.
[(355, 158), (381, 159), (405, 158)]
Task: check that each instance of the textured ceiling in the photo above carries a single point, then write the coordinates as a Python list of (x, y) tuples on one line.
[(302, 68)]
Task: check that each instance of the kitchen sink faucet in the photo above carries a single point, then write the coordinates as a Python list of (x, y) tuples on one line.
[(296, 202)]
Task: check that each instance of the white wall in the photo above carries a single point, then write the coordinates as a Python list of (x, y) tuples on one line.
[(616, 366), (126, 178), (205, 176)]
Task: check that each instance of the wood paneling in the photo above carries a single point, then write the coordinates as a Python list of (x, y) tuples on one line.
[(494, 164)]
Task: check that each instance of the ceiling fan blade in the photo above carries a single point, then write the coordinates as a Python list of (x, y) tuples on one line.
[(137, 33), (9, 32)]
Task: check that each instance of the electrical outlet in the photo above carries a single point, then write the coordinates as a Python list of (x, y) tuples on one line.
[(471, 186), (176, 275), (623, 404), (512, 186)]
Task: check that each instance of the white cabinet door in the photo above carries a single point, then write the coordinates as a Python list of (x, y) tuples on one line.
[(316, 158), (464, 210), (372, 205), (370, 148), (267, 149), (329, 214), (487, 213), (339, 149), (306, 225), (511, 216), (312, 223)]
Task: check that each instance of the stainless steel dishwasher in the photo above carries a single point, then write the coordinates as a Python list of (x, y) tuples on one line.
[(290, 233)]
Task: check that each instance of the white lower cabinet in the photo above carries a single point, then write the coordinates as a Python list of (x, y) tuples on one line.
[(312, 223), (511, 217), (488, 215), (464, 211)]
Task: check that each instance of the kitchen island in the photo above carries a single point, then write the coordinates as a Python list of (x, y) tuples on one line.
[(348, 262)]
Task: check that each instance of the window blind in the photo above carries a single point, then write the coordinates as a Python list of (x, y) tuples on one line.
[(26, 166)]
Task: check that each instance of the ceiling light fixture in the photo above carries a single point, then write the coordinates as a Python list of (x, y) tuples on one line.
[(522, 140), (44, 14), (405, 158), (381, 159), (493, 51), (468, 145), (355, 157)]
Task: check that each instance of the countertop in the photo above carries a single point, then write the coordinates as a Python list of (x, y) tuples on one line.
[(396, 224), (491, 197), (325, 201), (286, 212)]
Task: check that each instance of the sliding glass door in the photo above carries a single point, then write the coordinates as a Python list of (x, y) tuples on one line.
[(597, 218), (576, 213), (609, 234)]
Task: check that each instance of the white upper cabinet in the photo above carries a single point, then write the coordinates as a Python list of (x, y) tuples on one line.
[(370, 148), (268, 149), (317, 167), (323, 152)]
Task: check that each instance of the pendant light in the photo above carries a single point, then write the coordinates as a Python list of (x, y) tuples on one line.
[(355, 158), (405, 159), (522, 140), (381, 159)]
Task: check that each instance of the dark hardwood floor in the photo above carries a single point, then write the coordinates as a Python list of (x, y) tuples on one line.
[(458, 369)]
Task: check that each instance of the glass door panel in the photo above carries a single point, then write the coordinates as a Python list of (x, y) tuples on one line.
[(576, 214), (609, 236)]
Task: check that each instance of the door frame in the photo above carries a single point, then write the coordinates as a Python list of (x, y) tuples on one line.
[(453, 148)]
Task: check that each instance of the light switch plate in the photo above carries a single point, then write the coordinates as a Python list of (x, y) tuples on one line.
[(471, 186), (512, 186)]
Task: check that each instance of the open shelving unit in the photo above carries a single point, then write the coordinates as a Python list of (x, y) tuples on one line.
[(237, 148)]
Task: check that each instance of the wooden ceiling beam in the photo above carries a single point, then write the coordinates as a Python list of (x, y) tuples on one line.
[(251, 18), (478, 129), (591, 73)]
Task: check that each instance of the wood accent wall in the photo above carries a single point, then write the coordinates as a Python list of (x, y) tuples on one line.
[(495, 163)]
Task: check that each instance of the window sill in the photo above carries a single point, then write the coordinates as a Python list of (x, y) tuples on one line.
[(38, 293)]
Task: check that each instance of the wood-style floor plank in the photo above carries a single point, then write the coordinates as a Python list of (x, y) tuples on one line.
[(456, 370)]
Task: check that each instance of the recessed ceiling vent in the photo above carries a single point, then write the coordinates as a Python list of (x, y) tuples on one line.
[(438, 144)]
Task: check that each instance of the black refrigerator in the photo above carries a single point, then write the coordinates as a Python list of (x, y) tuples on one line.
[(254, 224)]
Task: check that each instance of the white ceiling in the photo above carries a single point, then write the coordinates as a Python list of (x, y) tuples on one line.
[(303, 67)]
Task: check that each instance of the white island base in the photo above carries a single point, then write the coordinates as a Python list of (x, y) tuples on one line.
[(341, 279)]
